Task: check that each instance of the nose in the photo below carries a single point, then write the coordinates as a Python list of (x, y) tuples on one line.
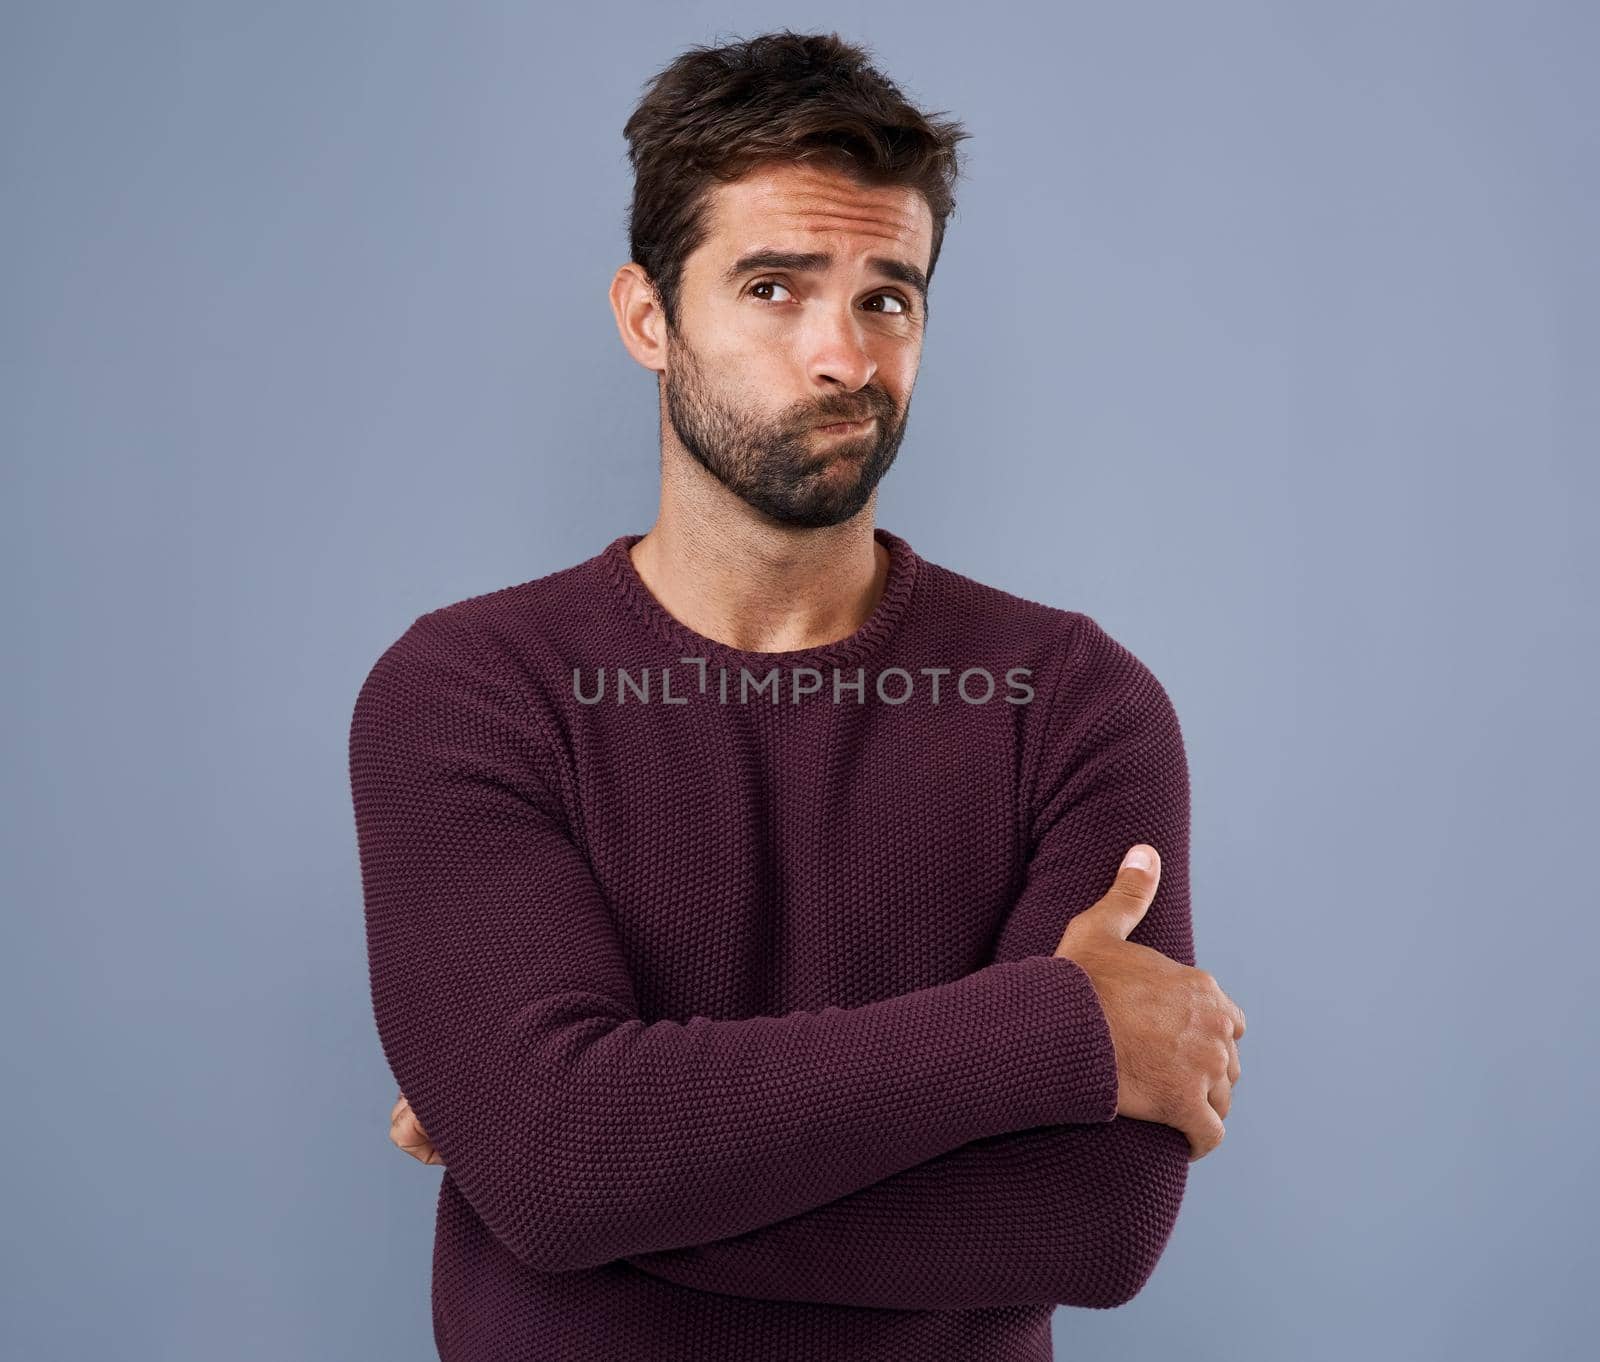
[(838, 354)]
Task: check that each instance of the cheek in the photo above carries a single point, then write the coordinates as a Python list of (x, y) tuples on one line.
[(897, 368)]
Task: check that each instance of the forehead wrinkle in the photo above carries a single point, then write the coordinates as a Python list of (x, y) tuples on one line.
[(905, 220), (806, 221), (891, 210)]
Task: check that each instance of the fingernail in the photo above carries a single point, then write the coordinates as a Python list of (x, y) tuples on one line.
[(1137, 857)]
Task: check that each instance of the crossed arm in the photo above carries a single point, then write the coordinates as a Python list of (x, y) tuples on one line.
[(578, 1132)]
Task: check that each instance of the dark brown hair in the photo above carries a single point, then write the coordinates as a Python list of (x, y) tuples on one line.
[(715, 113)]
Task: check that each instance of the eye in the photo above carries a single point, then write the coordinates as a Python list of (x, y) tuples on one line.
[(905, 307), (904, 310)]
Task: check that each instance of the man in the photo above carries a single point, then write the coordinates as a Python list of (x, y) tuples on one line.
[(749, 923)]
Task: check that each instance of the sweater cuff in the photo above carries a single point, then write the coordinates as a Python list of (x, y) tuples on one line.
[(1066, 1044)]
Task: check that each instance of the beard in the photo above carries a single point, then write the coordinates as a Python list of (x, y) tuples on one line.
[(778, 465)]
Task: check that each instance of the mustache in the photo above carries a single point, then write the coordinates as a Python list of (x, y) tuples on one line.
[(829, 418)]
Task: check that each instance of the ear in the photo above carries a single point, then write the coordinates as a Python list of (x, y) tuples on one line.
[(640, 321)]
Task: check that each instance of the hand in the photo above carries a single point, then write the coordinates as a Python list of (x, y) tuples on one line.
[(407, 1132), (1175, 1031)]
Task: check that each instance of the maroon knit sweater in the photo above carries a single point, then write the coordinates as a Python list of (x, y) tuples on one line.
[(730, 1005)]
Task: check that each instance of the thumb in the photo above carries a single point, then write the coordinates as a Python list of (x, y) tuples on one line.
[(1128, 899)]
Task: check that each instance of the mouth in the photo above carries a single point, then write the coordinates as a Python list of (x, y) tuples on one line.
[(847, 427)]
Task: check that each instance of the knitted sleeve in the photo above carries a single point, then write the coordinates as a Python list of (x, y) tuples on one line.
[(1065, 1215), (578, 1132)]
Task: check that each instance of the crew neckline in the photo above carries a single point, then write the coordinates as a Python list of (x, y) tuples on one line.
[(623, 577)]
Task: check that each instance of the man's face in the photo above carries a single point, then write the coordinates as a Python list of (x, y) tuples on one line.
[(772, 349)]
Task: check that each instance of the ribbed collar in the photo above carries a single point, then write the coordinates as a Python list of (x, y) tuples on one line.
[(622, 577)]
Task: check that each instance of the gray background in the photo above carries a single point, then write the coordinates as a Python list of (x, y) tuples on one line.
[(1264, 333)]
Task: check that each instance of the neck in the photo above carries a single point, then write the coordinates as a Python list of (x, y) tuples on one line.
[(753, 585)]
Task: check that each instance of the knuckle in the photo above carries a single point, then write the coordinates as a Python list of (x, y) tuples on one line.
[(1126, 893)]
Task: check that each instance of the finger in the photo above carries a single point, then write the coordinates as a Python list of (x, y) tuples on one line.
[(1236, 1012), (420, 1150), (1233, 1062), (1220, 1096), (1131, 892), (1207, 1135)]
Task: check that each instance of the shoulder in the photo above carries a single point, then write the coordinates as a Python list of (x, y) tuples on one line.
[(1078, 660), (529, 617), (459, 693), (475, 681)]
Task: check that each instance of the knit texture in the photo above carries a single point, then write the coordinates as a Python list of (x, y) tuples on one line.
[(733, 1013)]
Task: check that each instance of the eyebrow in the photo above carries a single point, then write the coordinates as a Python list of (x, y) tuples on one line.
[(814, 262)]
